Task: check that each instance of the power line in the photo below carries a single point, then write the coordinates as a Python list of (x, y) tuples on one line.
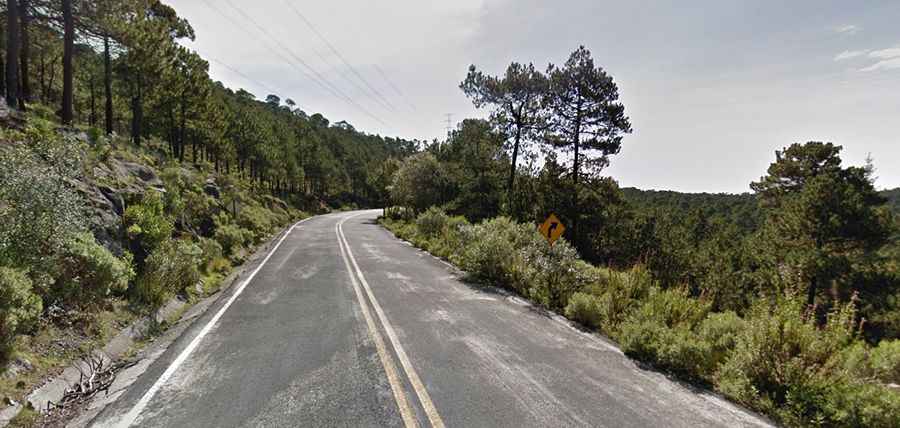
[(273, 51), (354, 83), (313, 75), (338, 54), (335, 89), (246, 77), (317, 76), (393, 86)]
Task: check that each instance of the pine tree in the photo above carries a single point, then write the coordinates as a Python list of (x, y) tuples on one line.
[(822, 220), (585, 118)]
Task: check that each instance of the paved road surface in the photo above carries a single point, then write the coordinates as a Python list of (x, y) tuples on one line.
[(378, 333)]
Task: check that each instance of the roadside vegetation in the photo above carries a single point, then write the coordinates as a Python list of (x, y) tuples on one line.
[(785, 300), (129, 177), (63, 291)]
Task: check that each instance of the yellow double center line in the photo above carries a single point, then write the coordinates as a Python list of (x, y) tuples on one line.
[(357, 278)]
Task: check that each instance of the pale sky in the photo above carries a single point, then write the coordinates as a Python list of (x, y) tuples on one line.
[(712, 87)]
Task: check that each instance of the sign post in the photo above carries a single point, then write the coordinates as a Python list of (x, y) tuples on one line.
[(552, 229)]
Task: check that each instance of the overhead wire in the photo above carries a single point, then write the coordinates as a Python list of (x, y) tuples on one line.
[(393, 86), (338, 54), (311, 74), (356, 85), (272, 50), (246, 77), (334, 89)]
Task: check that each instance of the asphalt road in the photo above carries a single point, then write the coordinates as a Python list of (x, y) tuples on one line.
[(344, 325)]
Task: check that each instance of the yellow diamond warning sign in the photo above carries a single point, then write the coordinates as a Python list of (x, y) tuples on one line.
[(552, 229)]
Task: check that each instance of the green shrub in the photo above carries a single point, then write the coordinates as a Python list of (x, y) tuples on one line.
[(886, 361), (622, 293), (782, 362), (677, 349), (670, 308), (89, 272), (493, 253), (213, 261), (43, 112), (585, 309), (232, 238), (856, 361), (40, 208), (881, 362), (847, 402), (453, 239), (398, 213), (661, 331), (720, 331), (147, 224), (553, 273), (258, 220), (19, 306), (210, 251), (431, 223), (170, 269), (186, 201)]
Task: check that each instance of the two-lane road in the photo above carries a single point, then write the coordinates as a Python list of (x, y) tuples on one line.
[(344, 325)]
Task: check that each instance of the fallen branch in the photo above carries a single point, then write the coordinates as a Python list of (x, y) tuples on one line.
[(97, 375)]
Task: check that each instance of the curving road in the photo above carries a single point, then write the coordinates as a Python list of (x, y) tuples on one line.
[(344, 325)]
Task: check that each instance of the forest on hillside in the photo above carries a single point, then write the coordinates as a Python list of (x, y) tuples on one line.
[(785, 299), (117, 66), (129, 178), (893, 198)]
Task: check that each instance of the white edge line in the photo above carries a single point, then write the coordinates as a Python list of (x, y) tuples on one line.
[(129, 418), (427, 405)]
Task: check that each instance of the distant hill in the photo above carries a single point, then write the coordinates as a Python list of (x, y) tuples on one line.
[(893, 197), (741, 209)]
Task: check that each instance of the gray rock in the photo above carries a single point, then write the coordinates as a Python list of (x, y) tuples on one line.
[(16, 367), (4, 109), (113, 184), (104, 214), (145, 176), (212, 189)]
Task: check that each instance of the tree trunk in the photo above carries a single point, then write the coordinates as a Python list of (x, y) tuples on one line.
[(52, 78), (575, 210), (811, 292), (43, 82), (25, 53), (107, 85), (137, 112), (510, 184), (92, 87), (68, 71), (2, 76), (12, 53), (181, 127)]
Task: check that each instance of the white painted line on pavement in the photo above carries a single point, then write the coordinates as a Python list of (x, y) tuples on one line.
[(418, 386), (387, 362), (129, 418)]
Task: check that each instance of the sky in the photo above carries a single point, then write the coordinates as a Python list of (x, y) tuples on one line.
[(712, 87)]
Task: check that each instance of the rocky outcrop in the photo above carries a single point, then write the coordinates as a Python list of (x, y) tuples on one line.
[(114, 184), (212, 189), (10, 118)]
